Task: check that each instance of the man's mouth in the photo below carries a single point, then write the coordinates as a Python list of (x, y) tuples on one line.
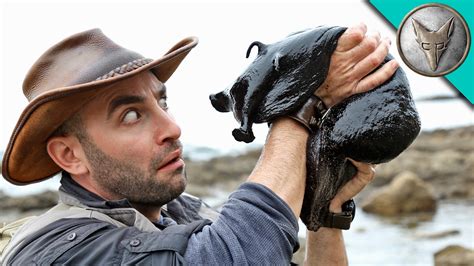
[(172, 161)]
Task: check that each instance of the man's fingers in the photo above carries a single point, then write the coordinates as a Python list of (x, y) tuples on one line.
[(372, 61), (377, 78), (365, 171), (368, 45), (351, 38), (365, 174), (355, 185)]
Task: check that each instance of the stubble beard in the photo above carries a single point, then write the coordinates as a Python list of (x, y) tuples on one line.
[(122, 179)]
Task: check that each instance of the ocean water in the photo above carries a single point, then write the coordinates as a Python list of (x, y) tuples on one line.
[(375, 241)]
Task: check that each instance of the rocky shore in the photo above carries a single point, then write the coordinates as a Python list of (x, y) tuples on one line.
[(444, 159), (438, 166)]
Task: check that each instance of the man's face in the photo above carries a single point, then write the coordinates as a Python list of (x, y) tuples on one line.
[(131, 142)]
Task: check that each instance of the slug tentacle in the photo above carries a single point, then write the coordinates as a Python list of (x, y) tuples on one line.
[(260, 46)]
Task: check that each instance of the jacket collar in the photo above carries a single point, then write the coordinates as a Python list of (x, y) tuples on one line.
[(71, 193), (87, 198)]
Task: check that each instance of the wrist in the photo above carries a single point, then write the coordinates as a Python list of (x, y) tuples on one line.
[(288, 125), (323, 93), (312, 114)]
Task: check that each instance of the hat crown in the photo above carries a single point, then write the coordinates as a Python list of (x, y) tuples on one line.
[(60, 82), (81, 58)]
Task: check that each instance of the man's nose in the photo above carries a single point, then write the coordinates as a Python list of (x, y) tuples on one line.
[(166, 128)]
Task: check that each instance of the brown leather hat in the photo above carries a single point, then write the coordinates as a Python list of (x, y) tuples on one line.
[(65, 77)]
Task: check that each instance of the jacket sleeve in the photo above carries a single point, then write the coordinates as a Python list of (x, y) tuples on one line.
[(255, 227)]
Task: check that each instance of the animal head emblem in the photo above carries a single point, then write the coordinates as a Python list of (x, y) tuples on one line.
[(433, 43)]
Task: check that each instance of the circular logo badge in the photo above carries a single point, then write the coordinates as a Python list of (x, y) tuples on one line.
[(433, 40)]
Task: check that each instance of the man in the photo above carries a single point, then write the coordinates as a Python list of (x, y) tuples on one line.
[(98, 113)]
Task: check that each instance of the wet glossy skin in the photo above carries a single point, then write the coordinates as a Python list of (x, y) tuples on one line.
[(279, 80), (372, 127)]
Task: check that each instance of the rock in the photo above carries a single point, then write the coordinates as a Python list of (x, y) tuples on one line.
[(222, 169), (437, 235), (444, 158), (406, 194), (42, 200), (454, 255)]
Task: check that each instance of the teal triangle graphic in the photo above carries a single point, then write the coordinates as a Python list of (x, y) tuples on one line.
[(463, 77)]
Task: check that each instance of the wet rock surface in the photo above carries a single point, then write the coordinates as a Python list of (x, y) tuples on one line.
[(406, 194), (454, 255), (443, 158)]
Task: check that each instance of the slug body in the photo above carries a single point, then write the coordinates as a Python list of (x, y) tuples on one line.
[(372, 127)]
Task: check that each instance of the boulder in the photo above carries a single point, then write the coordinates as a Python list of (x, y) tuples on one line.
[(444, 158), (42, 200), (406, 194), (454, 255)]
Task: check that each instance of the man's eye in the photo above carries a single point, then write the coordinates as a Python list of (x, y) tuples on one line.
[(131, 116), (163, 104)]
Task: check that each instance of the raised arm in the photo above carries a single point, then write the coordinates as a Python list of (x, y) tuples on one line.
[(259, 221), (282, 164)]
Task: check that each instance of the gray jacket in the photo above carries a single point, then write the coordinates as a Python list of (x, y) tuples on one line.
[(116, 234), (254, 227)]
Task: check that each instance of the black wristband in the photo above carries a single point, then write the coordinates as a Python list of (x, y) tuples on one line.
[(343, 219), (311, 114)]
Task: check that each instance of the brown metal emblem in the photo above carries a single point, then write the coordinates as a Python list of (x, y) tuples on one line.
[(433, 40)]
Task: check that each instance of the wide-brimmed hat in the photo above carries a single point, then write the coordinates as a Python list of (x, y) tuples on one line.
[(62, 80)]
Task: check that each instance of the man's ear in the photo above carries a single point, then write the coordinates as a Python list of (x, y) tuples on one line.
[(67, 153)]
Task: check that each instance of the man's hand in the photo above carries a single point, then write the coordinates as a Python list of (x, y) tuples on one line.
[(356, 56), (365, 175), (326, 246)]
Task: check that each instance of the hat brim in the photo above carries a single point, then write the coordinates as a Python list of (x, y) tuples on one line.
[(26, 159)]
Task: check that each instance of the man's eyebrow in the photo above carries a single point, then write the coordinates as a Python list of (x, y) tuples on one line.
[(123, 100), (160, 92)]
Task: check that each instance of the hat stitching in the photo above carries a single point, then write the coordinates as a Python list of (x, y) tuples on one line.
[(130, 66)]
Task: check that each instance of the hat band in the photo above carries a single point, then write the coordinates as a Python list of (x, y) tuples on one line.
[(126, 68)]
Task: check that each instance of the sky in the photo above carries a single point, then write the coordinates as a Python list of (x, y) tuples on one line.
[(225, 30)]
